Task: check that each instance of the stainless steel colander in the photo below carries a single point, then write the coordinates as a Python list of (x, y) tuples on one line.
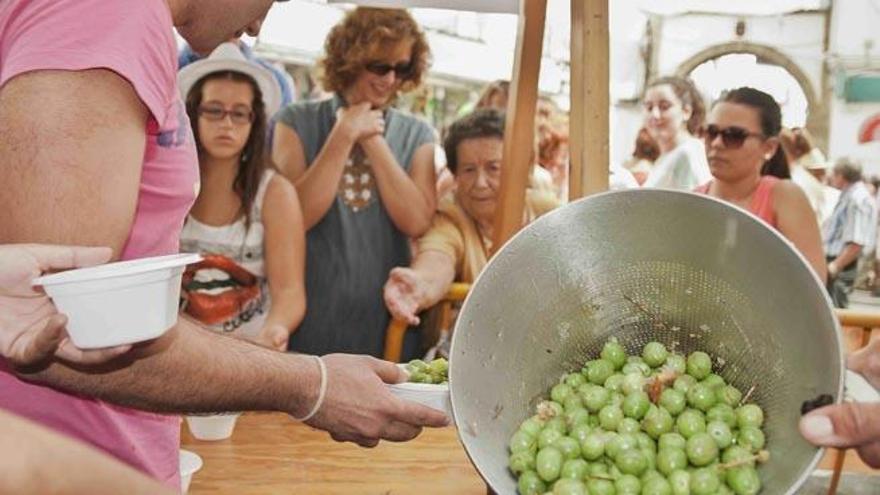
[(686, 270)]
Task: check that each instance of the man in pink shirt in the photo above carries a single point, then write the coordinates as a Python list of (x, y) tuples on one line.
[(96, 150)]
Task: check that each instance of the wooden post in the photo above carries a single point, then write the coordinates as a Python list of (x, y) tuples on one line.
[(519, 131), (589, 125)]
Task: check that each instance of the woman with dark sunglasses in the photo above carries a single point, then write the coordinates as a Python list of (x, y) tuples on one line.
[(750, 169), (674, 112), (365, 176)]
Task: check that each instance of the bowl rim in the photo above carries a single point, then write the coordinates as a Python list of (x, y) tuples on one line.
[(118, 269)]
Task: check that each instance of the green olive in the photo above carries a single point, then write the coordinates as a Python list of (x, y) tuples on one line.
[(654, 354), (699, 365), (701, 449), (548, 463), (530, 483)]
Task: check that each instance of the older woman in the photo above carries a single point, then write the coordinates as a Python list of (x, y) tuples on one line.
[(674, 112), (365, 177), (457, 246), (742, 145)]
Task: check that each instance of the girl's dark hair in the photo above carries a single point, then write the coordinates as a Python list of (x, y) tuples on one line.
[(689, 96), (253, 161), (771, 124)]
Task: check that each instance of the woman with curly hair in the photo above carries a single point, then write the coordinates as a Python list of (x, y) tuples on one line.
[(365, 176)]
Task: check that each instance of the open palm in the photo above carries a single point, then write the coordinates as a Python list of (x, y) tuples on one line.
[(402, 294)]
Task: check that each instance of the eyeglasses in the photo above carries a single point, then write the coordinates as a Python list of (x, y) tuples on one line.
[(732, 137), (403, 70), (238, 116)]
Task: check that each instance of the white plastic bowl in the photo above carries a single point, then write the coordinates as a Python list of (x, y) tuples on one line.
[(214, 427), (433, 396), (119, 303), (190, 462)]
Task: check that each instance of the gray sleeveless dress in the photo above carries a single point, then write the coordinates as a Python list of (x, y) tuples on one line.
[(352, 249)]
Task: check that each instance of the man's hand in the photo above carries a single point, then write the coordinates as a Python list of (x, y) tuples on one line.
[(31, 329), (403, 293), (866, 361), (851, 424), (358, 407)]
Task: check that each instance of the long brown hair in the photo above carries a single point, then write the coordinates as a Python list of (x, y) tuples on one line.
[(253, 161)]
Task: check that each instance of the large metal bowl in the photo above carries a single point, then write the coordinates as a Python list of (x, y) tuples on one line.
[(687, 270)]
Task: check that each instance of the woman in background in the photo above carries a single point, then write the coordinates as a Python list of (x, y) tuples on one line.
[(674, 113), (742, 144), (246, 219), (365, 176)]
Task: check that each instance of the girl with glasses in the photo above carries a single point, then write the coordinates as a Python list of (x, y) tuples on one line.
[(750, 169), (365, 175), (246, 220), (674, 112)]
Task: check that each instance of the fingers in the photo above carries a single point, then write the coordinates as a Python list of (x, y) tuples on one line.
[(358, 439), (416, 414), (69, 352), (870, 454), (844, 425), (866, 362), (387, 371), (52, 257), (397, 431), (38, 345), (399, 312)]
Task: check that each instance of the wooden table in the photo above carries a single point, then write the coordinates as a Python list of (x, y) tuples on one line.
[(271, 454)]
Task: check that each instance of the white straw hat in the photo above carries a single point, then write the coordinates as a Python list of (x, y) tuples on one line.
[(228, 57)]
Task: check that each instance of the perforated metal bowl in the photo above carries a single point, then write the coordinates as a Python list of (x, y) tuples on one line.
[(686, 270)]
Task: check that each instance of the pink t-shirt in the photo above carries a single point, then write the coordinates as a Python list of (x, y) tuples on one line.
[(133, 38)]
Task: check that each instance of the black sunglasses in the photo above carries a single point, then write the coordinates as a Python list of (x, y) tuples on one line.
[(732, 137), (402, 70)]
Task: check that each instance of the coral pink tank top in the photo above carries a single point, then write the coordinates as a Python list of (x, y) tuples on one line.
[(762, 200)]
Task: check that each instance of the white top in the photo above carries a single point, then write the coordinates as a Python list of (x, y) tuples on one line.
[(244, 246), (684, 167), (620, 178), (812, 188)]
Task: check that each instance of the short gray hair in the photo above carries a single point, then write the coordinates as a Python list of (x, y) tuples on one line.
[(848, 168)]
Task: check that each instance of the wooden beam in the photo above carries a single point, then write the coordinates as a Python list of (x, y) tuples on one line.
[(519, 131), (589, 125)]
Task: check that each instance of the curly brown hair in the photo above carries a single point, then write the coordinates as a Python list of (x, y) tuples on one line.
[(360, 36)]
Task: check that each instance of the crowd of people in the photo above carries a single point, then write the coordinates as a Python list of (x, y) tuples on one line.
[(319, 221)]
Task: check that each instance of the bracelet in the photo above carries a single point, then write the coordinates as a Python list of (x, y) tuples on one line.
[(321, 393)]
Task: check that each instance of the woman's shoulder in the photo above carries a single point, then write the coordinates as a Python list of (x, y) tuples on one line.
[(784, 192), (279, 192), (407, 120), (310, 109)]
